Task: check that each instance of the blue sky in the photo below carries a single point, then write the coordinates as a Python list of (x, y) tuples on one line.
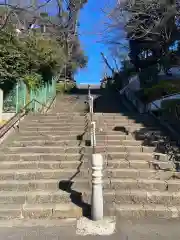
[(91, 19)]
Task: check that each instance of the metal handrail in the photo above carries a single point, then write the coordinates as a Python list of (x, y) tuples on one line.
[(92, 123), (22, 112), (161, 120)]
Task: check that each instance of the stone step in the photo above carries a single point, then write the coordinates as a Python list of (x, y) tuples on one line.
[(60, 143), (47, 137), (132, 173), (43, 165), (115, 119), (135, 156), (49, 133), (80, 183), (129, 156), (74, 164), (52, 124), (59, 211), (121, 148), (43, 157), (139, 211), (142, 197), (125, 123), (40, 211), (113, 122), (36, 174), (28, 174), (148, 135), (57, 128), (61, 122), (42, 197), (132, 130), (79, 156), (110, 115), (107, 137), (119, 142), (46, 149), (62, 114), (67, 118), (136, 117), (109, 132), (41, 184), (142, 184), (135, 130), (140, 164)]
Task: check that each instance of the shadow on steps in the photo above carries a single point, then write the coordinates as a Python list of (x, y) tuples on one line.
[(76, 197), (141, 127)]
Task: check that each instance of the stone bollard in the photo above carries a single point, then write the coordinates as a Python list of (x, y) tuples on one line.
[(97, 192)]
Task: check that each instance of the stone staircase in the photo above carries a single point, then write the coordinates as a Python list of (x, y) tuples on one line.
[(139, 180), (45, 171), (44, 165)]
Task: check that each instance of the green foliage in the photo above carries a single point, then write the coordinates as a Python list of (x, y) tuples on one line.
[(45, 54), (170, 103), (62, 87), (171, 108), (32, 81), (159, 90), (27, 56), (33, 57), (149, 76)]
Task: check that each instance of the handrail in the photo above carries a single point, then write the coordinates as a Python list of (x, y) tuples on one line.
[(93, 136), (162, 121), (168, 95), (92, 123), (22, 112)]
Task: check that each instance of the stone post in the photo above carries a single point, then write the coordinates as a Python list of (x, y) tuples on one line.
[(97, 188), (1, 104)]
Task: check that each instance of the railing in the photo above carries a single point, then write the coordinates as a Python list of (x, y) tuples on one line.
[(20, 96), (34, 105), (92, 123), (166, 123), (97, 166), (135, 101), (24, 111)]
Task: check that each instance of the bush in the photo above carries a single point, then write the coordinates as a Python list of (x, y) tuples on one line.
[(32, 57), (159, 90), (171, 108), (62, 88), (32, 81)]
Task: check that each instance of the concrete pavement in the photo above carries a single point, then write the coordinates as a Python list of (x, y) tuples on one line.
[(64, 230)]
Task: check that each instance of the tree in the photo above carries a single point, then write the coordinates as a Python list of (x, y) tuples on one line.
[(151, 28), (36, 28)]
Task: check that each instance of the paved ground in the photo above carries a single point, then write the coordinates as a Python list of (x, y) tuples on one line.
[(144, 230)]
